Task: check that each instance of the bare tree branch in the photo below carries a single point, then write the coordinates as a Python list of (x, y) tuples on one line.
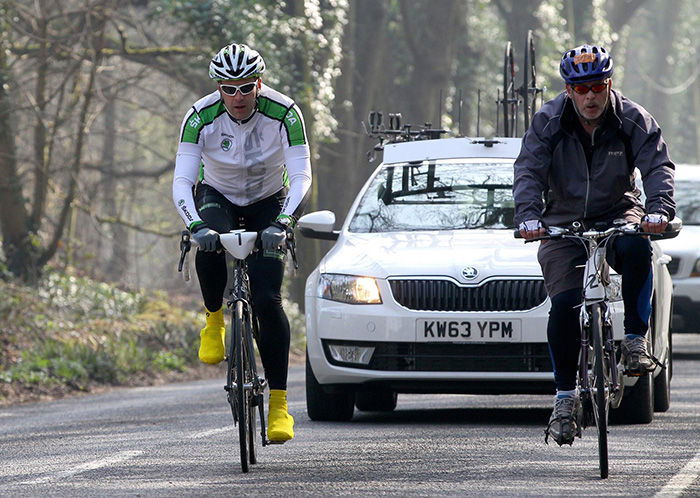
[(52, 246), (166, 168), (119, 221)]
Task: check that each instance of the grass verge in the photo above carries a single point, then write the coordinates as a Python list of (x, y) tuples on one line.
[(72, 334)]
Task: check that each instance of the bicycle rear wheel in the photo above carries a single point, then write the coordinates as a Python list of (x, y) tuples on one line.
[(509, 96), (600, 382), (241, 398), (529, 89)]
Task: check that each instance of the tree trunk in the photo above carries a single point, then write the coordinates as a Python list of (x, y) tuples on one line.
[(433, 53), (520, 16), (41, 165), (579, 20), (664, 21), (19, 251), (343, 166), (116, 266)]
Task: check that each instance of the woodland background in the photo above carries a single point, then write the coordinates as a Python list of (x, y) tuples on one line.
[(92, 94)]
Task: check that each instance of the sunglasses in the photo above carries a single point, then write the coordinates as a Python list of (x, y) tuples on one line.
[(245, 88), (595, 87)]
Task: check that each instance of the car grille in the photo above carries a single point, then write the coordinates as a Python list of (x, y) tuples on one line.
[(444, 295), (673, 265), (431, 357)]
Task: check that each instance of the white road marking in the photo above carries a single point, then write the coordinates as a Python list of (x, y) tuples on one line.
[(296, 405), (96, 464), (210, 432), (683, 479)]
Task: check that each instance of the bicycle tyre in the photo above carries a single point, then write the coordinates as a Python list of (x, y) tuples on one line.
[(325, 406), (529, 80), (601, 397), (249, 375), (239, 355), (255, 330), (508, 92)]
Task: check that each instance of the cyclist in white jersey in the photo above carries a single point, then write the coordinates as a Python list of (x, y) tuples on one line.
[(243, 160)]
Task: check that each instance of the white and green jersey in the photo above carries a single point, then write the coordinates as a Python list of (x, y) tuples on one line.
[(246, 161)]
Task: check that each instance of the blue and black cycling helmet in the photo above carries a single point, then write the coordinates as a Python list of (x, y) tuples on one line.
[(586, 63)]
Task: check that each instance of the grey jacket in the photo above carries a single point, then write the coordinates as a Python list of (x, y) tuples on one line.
[(553, 182)]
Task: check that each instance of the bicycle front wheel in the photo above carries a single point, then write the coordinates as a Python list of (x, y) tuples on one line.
[(240, 361), (249, 375), (600, 382)]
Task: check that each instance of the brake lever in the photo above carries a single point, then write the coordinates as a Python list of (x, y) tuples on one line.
[(185, 246), (291, 246)]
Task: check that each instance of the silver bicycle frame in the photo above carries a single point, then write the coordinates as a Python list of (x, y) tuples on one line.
[(594, 292)]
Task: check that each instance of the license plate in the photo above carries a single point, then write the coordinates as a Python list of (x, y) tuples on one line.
[(467, 330)]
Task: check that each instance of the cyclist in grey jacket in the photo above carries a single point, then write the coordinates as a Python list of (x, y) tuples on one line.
[(577, 163)]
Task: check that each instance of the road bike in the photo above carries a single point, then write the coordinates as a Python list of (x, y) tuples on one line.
[(245, 388), (519, 97), (600, 377)]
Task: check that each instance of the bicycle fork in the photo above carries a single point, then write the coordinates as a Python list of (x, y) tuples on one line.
[(594, 292)]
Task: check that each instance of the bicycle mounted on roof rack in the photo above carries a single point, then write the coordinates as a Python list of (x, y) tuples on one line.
[(523, 97), (396, 132), (525, 94)]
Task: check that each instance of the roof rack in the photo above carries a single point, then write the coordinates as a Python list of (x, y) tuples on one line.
[(397, 132)]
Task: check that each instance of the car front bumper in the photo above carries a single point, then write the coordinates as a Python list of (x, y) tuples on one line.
[(404, 360)]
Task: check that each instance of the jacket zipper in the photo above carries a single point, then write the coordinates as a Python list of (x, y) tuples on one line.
[(588, 171)]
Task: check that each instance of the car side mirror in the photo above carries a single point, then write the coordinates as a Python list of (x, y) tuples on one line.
[(318, 225)]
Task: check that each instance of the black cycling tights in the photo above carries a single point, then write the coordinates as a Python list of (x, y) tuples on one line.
[(266, 270), (631, 257)]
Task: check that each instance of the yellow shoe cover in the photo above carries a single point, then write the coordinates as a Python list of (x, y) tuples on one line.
[(281, 423), (211, 347)]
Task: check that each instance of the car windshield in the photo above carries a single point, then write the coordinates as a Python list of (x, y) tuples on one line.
[(687, 201), (438, 195)]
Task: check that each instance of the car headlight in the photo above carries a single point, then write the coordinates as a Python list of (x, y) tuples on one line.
[(349, 289), (695, 271)]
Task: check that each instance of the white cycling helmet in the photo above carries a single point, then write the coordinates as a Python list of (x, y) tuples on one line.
[(235, 62)]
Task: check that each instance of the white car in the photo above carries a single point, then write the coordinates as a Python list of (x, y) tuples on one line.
[(427, 291), (685, 251)]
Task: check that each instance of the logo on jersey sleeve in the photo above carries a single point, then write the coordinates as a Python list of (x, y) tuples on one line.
[(291, 118), (194, 122), (226, 144)]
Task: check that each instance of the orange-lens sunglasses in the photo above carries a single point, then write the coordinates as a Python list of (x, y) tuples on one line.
[(584, 89)]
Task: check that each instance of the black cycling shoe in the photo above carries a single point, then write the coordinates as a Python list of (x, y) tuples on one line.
[(635, 357), (565, 422)]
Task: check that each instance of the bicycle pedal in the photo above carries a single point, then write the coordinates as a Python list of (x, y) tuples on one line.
[(275, 442)]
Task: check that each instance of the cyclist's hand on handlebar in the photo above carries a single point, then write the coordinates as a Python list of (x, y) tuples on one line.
[(206, 238), (654, 223), (532, 229), (273, 236)]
